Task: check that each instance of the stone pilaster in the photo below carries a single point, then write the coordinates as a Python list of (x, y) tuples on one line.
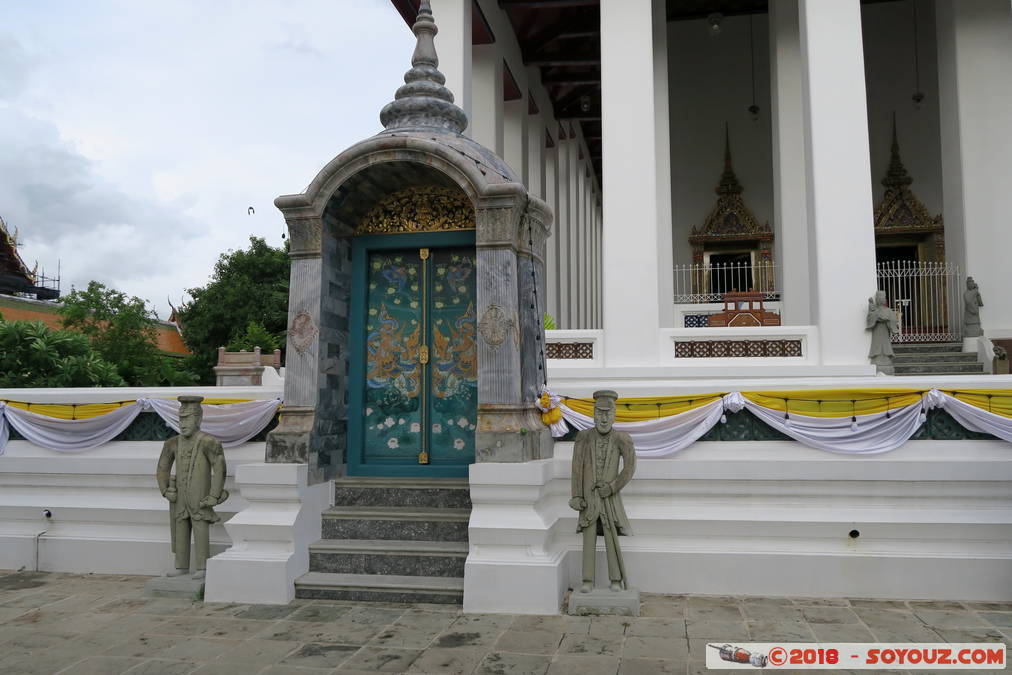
[(508, 427)]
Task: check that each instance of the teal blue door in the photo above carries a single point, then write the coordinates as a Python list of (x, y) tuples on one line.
[(413, 385)]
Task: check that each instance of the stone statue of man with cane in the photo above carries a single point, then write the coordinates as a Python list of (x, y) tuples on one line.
[(197, 487), (603, 463)]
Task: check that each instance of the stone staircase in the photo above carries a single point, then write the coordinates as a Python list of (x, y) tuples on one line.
[(945, 358), (391, 540)]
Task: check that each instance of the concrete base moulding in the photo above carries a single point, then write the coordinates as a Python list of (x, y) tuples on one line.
[(931, 520), (106, 514), (271, 536)]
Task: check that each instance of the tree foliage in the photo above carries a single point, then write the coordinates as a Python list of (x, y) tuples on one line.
[(32, 355), (246, 286), (121, 331), (255, 335)]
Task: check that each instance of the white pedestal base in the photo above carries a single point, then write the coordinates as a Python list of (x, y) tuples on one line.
[(605, 602), (271, 537)]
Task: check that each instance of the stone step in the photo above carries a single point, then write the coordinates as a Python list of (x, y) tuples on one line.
[(380, 588), (938, 368), (451, 493), (395, 523), (927, 347), (389, 556), (937, 357)]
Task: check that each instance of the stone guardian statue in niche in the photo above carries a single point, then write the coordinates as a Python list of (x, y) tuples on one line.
[(604, 461), (972, 303), (881, 321), (197, 487)]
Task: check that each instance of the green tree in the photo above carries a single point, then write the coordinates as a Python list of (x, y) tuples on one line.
[(246, 286), (255, 335), (32, 355), (120, 329)]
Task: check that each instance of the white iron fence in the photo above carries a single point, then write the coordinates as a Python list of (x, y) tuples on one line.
[(926, 297), (708, 283)]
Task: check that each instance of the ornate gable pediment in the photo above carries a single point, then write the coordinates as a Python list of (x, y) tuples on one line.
[(900, 211), (420, 209), (730, 219)]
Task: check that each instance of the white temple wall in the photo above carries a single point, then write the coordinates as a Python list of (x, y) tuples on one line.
[(108, 516), (975, 94), (757, 518), (890, 81), (710, 83)]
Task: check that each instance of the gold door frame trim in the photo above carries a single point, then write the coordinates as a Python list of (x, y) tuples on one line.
[(419, 209)]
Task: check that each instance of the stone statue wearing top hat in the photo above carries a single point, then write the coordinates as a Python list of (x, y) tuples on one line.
[(197, 487), (603, 463)]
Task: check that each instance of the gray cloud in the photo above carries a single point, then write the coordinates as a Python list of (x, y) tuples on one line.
[(67, 213), (15, 67)]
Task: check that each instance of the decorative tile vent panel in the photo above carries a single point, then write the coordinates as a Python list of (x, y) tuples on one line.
[(696, 320), (569, 350), (715, 349)]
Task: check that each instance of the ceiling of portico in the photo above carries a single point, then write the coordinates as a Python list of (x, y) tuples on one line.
[(562, 39)]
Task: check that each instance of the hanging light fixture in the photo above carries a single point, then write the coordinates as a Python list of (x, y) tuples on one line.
[(585, 103), (753, 109), (713, 21), (918, 96)]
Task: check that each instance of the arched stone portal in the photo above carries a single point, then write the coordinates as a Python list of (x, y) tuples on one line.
[(422, 157)]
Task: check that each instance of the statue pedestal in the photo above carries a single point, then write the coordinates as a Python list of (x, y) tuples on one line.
[(183, 586), (604, 602)]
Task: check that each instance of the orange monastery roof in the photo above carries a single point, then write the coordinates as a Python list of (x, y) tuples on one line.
[(24, 309)]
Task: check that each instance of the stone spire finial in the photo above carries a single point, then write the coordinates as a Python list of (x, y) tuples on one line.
[(729, 184), (423, 101), (897, 176)]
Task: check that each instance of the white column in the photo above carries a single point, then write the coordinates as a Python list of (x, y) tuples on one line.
[(628, 124), (841, 238), (662, 156), (579, 222), (552, 247), (535, 159), (593, 260), (486, 98), (597, 262), (588, 238), (515, 136), (790, 218), (573, 249), (975, 107), (562, 220), (453, 45)]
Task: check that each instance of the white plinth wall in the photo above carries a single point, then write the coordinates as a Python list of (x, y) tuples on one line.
[(107, 514), (934, 521), (271, 537)]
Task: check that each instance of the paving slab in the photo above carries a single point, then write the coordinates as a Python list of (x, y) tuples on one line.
[(78, 624), (584, 665), (456, 661), (506, 663)]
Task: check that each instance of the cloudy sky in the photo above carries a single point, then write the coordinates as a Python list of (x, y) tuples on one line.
[(135, 135)]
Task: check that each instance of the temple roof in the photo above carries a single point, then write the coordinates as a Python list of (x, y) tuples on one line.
[(14, 274), (900, 211)]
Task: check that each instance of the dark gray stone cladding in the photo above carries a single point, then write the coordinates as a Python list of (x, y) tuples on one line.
[(393, 528), (387, 563)]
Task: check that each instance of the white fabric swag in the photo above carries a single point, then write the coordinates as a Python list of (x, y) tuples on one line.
[(233, 424), (864, 435)]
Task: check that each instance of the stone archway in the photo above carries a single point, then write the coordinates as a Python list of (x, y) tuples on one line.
[(422, 146)]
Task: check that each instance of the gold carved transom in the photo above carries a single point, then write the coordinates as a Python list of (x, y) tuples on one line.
[(419, 209), (730, 220), (900, 211)]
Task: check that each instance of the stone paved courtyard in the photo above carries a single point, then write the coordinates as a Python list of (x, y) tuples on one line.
[(100, 625)]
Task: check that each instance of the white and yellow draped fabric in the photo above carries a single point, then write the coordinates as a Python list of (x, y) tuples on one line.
[(75, 428), (848, 421)]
